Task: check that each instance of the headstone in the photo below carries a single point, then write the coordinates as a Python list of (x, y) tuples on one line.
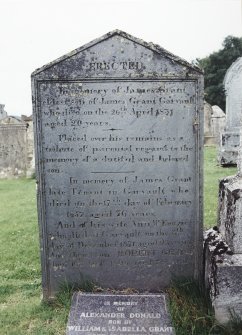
[(3, 113), (12, 149), (16, 148), (209, 139), (119, 314), (230, 137), (118, 149), (217, 123), (223, 251)]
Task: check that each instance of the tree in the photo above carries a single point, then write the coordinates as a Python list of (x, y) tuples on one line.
[(215, 67)]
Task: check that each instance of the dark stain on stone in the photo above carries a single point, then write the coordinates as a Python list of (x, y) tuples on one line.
[(236, 194)]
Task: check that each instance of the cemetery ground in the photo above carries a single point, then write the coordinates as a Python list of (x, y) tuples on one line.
[(22, 311)]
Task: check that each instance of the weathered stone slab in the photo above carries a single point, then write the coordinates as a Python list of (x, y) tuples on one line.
[(30, 146), (223, 273), (209, 138), (228, 301), (118, 151), (232, 85), (230, 212), (217, 123), (230, 137), (13, 150), (229, 148), (16, 148), (101, 314)]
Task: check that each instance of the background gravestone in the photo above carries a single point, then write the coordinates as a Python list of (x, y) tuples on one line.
[(16, 147), (3, 113), (214, 123), (230, 137), (30, 171), (209, 138), (13, 147), (118, 126), (217, 123)]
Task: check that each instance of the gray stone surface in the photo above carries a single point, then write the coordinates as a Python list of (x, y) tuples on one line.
[(3, 113), (230, 212), (118, 144), (209, 138), (30, 145), (217, 123), (97, 314), (223, 273), (16, 148), (232, 85), (230, 137), (229, 148), (12, 150)]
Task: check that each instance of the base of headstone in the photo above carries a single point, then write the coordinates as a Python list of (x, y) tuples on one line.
[(116, 314), (223, 273), (229, 148)]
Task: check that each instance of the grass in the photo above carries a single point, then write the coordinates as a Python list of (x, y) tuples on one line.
[(192, 313), (21, 309)]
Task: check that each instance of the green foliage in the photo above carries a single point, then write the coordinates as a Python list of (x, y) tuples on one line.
[(215, 67), (63, 298), (189, 308)]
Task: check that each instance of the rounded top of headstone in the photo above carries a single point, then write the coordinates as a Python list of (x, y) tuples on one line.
[(217, 111), (233, 71)]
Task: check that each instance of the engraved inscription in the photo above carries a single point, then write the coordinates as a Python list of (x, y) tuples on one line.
[(119, 314), (119, 190)]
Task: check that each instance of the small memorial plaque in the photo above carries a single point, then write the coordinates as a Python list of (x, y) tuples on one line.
[(103, 314)]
